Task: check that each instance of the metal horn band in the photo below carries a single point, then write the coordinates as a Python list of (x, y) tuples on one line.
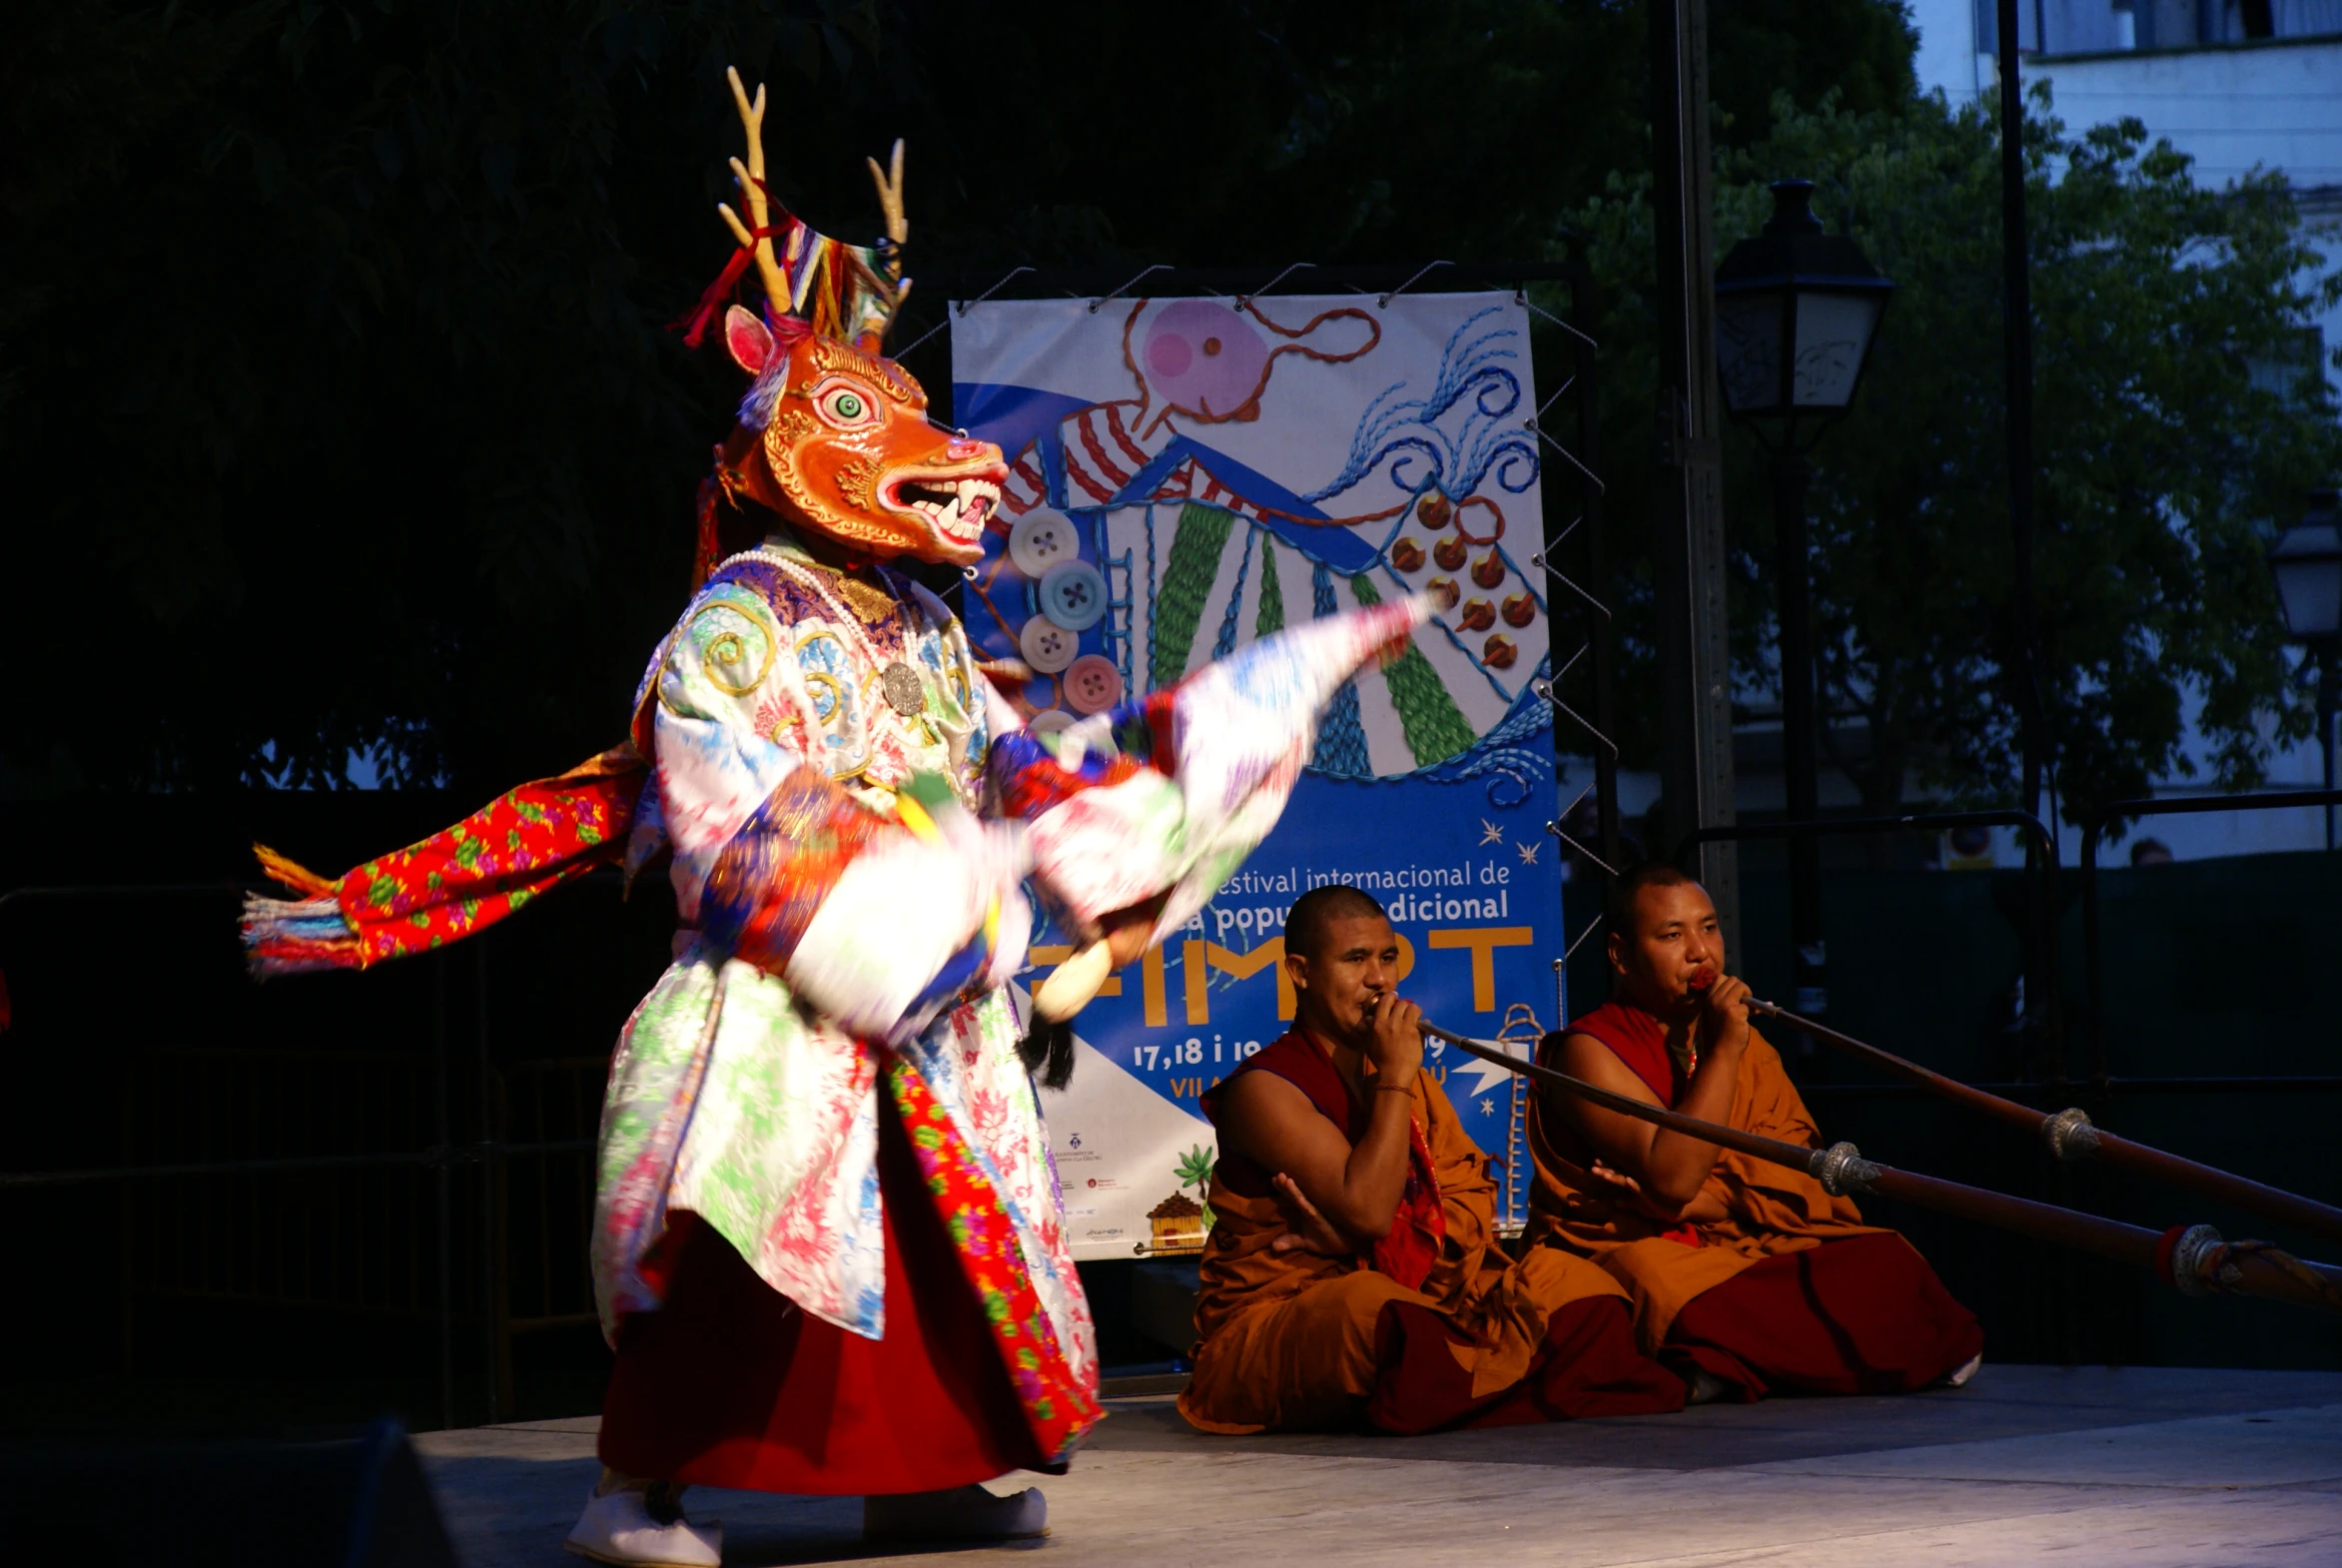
[(2196, 1260), (2071, 1135)]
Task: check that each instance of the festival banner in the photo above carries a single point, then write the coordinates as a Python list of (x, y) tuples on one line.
[(1187, 476)]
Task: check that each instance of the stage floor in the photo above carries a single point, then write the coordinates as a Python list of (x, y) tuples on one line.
[(2144, 1467)]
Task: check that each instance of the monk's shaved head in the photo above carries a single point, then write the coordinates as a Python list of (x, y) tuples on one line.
[(1315, 911), (1626, 891), (1343, 959)]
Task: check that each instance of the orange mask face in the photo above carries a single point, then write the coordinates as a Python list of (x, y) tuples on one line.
[(847, 451)]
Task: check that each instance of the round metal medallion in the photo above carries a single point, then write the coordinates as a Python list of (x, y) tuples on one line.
[(902, 689)]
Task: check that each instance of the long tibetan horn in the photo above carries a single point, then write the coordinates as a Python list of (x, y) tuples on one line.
[(2072, 1136), (2192, 1259)]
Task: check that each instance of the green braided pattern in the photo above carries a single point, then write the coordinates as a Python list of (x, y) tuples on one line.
[(1271, 617), (1436, 728), (1187, 581)]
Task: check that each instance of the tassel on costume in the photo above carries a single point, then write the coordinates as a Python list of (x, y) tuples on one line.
[(1048, 1049), (296, 935)]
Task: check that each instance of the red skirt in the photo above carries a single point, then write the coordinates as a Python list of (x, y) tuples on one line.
[(729, 1384), (1864, 1316)]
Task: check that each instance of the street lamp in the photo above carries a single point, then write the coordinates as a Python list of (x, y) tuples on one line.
[(2307, 563), (1796, 312)]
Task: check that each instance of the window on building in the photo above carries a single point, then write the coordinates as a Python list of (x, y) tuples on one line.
[(2304, 18), (2093, 26), (2169, 24), (2030, 17), (2292, 371)]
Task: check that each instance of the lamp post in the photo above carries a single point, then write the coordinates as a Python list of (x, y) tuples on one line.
[(2306, 560), (1796, 312)]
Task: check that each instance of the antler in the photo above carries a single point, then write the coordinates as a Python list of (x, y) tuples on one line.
[(889, 196), (898, 227), (750, 179)]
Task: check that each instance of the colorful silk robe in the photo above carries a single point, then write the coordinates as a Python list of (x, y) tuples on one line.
[(782, 742), (831, 918)]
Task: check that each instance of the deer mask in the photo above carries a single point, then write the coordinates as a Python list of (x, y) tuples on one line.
[(838, 441), (833, 437)]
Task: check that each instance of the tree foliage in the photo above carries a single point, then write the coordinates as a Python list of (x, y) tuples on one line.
[(2163, 460), (338, 413), (336, 409), (2167, 454)]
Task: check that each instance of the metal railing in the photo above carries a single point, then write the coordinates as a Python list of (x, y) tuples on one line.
[(221, 1203), (2093, 830), (2040, 946)]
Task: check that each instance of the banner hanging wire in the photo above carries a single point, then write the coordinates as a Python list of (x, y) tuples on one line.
[(1243, 299), (961, 308), (1098, 304), (1521, 298), (1384, 302)]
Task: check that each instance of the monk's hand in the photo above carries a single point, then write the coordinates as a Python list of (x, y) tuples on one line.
[(1728, 1014), (1306, 1231), (1626, 1192), (1398, 1040), (1626, 1185)]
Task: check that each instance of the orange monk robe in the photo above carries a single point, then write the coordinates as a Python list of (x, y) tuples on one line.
[(1788, 1294), (1297, 1341)]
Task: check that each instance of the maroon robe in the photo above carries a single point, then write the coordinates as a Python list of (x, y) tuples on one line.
[(1789, 1292)]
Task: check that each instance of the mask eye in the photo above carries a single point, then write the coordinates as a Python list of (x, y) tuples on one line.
[(845, 404)]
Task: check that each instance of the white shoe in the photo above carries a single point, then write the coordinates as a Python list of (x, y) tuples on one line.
[(1958, 1377), (618, 1528), (1705, 1388), (958, 1513)]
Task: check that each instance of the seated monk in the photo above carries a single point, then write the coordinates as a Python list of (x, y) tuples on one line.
[(1352, 1273), (1747, 1279)]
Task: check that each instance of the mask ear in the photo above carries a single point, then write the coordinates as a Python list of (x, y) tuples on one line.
[(748, 339)]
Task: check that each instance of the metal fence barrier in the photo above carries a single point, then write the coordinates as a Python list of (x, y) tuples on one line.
[(2094, 829), (323, 1179), (2040, 946)]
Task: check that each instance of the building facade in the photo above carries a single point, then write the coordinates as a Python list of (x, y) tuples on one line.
[(2237, 85)]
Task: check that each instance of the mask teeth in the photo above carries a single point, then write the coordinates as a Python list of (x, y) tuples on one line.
[(978, 498)]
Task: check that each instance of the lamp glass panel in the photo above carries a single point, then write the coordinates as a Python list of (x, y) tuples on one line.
[(1833, 333), (2308, 566), (1747, 349)]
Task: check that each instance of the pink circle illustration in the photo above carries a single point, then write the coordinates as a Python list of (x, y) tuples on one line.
[(1204, 357)]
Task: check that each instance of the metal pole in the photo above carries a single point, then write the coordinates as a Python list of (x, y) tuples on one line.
[(441, 1173), (2092, 830), (1588, 410), (2326, 705), (1793, 583), (487, 1191), (1689, 558), (2016, 325)]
